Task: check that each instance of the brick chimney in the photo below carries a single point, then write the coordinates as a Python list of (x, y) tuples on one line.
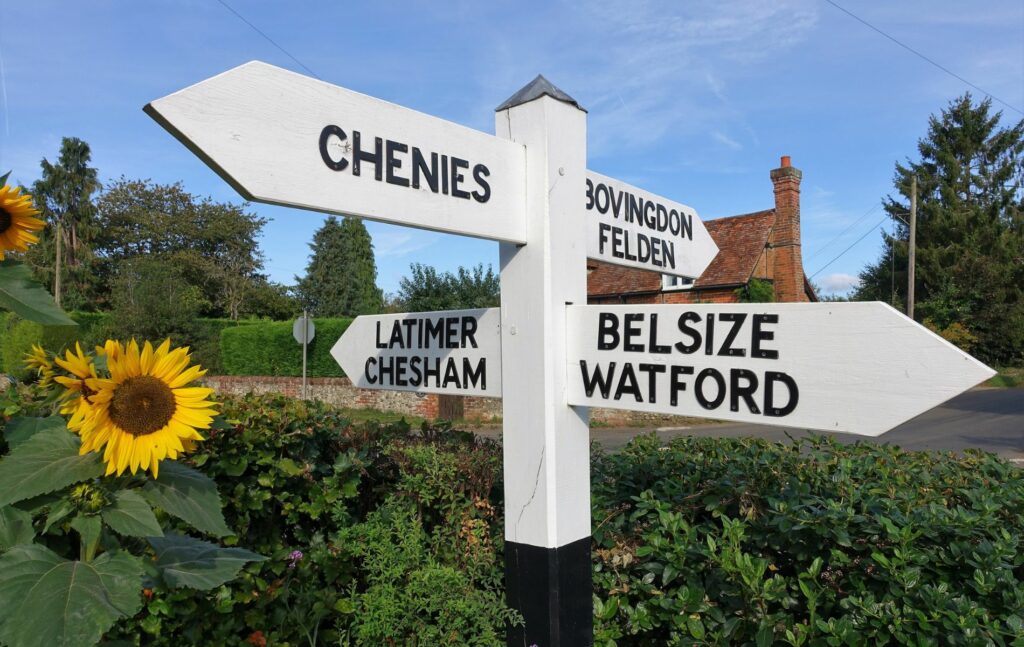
[(787, 263)]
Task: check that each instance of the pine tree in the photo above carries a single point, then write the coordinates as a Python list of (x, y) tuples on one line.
[(341, 278), (970, 231), (64, 195)]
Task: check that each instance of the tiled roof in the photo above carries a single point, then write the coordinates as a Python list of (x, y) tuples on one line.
[(741, 240)]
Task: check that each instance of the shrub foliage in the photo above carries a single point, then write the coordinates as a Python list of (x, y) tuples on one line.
[(399, 535), (268, 348)]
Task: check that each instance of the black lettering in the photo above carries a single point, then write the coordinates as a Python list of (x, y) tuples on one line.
[(632, 332), (709, 332), (414, 368), (643, 248), (480, 172), (451, 332), (400, 362), (770, 378), (676, 385), (370, 377), (737, 319), (394, 163), (673, 222), (590, 195), (616, 204), (687, 225), (607, 331), (444, 174), (652, 370), (380, 344), (419, 166), (650, 219), (685, 320), (602, 236), (435, 331), (654, 346), (396, 336), (385, 366), (745, 391), (597, 379), (477, 378), (469, 325), (628, 384), (325, 155), (451, 374), (662, 218), (602, 190), (759, 335), (458, 177), (698, 387), (432, 370), (668, 249), (359, 156), (409, 325)]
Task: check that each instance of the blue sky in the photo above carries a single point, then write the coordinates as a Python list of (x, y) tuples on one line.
[(695, 101)]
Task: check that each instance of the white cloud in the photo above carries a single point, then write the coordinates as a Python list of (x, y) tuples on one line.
[(401, 242), (839, 283), (726, 140)]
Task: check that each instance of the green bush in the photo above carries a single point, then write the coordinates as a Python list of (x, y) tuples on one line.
[(706, 541), (742, 541), (18, 335), (391, 551), (268, 348)]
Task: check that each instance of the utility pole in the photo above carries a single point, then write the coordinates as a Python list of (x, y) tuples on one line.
[(57, 263), (913, 243)]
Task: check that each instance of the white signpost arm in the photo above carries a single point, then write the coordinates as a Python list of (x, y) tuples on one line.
[(546, 442)]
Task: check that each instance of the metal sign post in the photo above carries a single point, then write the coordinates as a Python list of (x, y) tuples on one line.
[(303, 331)]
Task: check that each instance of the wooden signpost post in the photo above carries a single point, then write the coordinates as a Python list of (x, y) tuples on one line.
[(282, 138)]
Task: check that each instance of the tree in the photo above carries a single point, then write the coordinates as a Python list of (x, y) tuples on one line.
[(64, 196), (213, 245), (425, 289), (152, 300), (341, 278), (970, 231)]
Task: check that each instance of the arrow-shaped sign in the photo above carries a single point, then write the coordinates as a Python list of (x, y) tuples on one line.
[(283, 138), (457, 352), (632, 227), (860, 368)]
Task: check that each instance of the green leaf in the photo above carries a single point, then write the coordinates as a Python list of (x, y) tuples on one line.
[(189, 495), (45, 462), (289, 467), (26, 298), (46, 600), (197, 564), (696, 627), (15, 527), (88, 526), (21, 429), (765, 636), (131, 516)]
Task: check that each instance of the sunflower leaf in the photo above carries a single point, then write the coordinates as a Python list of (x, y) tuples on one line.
[(21, 429), (131, 516), (47, 461), (193, 563), (15, 527), (188, 495), (26, 298), (47, 600)]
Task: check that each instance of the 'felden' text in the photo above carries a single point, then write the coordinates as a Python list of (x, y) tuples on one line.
[(665, 225), (427, 368), (403, 165), (729, 335)]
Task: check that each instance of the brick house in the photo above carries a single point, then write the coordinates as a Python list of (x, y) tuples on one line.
[(763, 245)]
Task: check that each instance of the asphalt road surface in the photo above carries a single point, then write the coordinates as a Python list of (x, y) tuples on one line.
[(988, 419)]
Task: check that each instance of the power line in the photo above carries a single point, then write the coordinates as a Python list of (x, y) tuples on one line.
[(922, 56), (840, 234), (269, 39), (820, 270)]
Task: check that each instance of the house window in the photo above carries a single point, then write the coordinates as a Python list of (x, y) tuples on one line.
[(669, 282)]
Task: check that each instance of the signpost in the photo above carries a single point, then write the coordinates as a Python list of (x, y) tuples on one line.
[(632, 227), (455, 352), (303, 331), (858, 368), (282, 138)]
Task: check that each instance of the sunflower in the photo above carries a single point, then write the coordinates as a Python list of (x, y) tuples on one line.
[(39, 362), (16, 221), (77, 397), (144, 412)]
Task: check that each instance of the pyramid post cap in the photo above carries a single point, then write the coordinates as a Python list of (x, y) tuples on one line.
[(536, 89)]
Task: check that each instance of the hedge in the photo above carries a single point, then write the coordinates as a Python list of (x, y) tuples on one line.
[(17, 337), (269, 348)]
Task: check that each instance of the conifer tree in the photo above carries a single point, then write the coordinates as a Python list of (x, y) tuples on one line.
[(970, 231), (341, 278)]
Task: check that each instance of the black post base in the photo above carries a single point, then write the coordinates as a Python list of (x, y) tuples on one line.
[(552, 588)]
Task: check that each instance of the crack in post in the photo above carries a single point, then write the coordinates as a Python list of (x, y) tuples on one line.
[(536, 484)]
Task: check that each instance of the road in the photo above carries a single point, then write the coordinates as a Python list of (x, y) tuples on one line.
[(988, 419)]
